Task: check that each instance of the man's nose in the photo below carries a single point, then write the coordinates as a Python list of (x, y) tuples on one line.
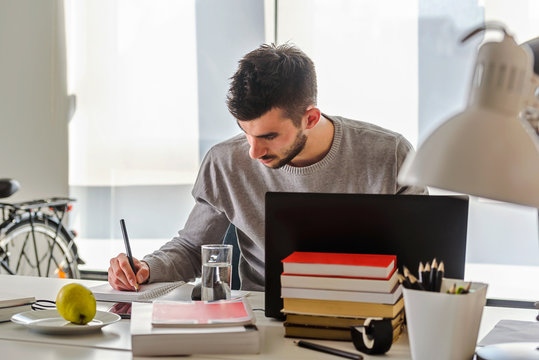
[(257, 149)]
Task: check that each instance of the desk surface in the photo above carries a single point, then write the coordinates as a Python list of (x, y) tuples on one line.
[(114, 341)]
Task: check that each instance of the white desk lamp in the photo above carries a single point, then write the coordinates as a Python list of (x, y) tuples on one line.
[(486, 150), (490, 149)]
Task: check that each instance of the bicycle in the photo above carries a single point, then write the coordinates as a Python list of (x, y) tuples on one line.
[(33, 239)]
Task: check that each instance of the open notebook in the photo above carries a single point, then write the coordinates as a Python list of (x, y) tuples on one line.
[(146, 292)]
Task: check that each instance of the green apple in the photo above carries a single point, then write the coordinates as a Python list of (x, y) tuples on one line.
[(76, 303)]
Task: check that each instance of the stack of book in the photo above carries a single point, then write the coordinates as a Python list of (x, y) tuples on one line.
[(326, 293), (170, 328)]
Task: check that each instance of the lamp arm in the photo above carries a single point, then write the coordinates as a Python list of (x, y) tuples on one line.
[(491, 25)]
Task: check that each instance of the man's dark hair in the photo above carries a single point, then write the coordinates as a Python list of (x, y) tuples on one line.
[(269, 77)]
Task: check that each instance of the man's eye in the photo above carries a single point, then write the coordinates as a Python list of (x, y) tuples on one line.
[(270, 137)]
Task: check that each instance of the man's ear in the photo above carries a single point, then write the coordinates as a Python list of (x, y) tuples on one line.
[(312, 114)]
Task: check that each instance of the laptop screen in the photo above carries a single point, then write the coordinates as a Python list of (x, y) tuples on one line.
[(413, 227)]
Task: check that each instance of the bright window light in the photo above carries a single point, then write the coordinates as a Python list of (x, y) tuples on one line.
[(132, 66)]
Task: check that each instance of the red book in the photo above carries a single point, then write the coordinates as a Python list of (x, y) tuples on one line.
[(235, 312), (340, 264)]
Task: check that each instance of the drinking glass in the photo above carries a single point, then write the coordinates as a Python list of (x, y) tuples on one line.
[(216, 272)]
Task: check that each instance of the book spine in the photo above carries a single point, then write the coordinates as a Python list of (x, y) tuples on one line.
[(342, 295), (334, 321), (327, 333), (341, 308), (336, 270), (323, 321), (337, 283)]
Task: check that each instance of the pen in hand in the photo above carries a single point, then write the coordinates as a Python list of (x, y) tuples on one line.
[(128, 250), (328, 350)]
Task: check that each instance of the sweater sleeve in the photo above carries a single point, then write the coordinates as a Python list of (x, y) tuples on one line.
[(180, 259), (402, 150)]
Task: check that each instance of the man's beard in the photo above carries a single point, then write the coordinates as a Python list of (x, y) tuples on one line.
[(293, 150)]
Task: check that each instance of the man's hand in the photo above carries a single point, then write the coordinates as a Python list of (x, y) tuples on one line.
[(121, 276)]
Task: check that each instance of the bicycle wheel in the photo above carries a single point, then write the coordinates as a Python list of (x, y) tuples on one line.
[(41, 253)]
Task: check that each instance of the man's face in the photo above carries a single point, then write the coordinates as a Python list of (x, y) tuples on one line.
[(274, 139)]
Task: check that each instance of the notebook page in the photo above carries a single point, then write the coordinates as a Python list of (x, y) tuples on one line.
[(146, 293)]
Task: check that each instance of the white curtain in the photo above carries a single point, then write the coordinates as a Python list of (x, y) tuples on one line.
[(132, 67)]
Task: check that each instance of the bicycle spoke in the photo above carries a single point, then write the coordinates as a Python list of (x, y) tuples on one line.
[(51, 249), (27, 262), (35, 244), (4, 262), (23, 253)]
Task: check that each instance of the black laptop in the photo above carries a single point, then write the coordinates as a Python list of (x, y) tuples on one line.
[(413, 227)]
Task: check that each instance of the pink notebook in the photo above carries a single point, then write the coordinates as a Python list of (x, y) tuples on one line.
[(234, 312)]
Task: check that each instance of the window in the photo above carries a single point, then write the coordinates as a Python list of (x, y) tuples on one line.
[(132, 66), (141, 128), (151, 80), (399, 64)]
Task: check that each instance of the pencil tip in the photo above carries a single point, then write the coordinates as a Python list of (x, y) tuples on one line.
[(406, 271)]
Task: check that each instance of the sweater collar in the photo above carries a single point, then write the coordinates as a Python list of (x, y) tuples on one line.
[(330, 156)]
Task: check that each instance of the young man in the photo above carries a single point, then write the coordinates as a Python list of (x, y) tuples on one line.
[(287, 145)]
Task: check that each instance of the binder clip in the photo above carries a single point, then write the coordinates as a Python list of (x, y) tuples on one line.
[(374, 337)]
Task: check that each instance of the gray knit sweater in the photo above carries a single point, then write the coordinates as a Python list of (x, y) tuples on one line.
[(231, 186)]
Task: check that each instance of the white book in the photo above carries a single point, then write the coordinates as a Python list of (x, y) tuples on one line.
[(343, 295), (8, 299), (148, 340), (11, 304), (339, 283), (146, 292), (7, 312)]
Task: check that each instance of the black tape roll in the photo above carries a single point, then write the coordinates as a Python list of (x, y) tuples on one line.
[(374, 337)]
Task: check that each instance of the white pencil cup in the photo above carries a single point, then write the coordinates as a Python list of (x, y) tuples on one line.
[(444, 326)]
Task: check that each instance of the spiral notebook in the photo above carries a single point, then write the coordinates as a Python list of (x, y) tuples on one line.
[(146, 292)]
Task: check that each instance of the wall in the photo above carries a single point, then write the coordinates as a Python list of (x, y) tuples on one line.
[(33, 98)]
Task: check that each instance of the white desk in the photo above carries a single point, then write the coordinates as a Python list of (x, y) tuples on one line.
[(114, 341)]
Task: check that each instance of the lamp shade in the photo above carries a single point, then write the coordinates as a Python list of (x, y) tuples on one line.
[(486, 150)]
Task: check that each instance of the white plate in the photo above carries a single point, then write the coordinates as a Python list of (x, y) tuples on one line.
[(50, 322)]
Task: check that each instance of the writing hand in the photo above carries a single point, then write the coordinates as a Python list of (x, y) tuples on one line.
[(122, 277)]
